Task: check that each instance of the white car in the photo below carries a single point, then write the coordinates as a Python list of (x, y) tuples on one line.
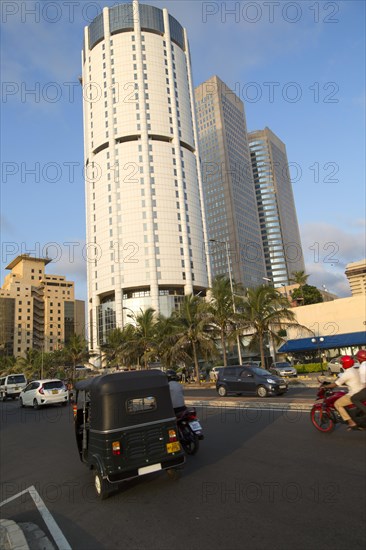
[(44, 392), (11, 385)]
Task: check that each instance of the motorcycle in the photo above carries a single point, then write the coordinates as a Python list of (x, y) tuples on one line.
[(324, 416), (190, 431)]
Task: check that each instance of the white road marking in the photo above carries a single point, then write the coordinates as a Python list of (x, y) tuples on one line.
[(47, 517)]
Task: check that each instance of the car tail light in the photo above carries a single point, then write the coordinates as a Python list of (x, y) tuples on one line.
[(75, 410), (172, 435), (116, 447), (41, 390)]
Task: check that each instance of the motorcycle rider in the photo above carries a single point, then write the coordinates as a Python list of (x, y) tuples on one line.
[(350, 378), (176, 394), (358, 398)]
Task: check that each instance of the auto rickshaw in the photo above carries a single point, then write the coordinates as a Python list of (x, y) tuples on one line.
[(125, 427)]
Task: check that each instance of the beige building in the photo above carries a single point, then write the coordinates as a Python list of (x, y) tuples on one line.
[(356, 275), (337, 325), (342, 316), (37, 310)]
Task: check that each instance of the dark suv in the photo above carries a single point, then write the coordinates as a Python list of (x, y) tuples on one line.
[(242, 378)]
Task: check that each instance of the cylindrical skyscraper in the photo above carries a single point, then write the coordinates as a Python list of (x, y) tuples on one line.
[(144, 203)]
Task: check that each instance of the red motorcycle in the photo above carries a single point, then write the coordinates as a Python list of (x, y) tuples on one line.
[(325, 416)]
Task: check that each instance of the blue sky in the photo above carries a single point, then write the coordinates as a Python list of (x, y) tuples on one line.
[(298, 66)]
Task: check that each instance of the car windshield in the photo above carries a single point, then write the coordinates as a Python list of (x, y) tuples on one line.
[(16, 379), (55, 385), (259, 371), (283, 365)]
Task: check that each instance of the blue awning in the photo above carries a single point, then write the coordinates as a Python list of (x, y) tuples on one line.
[(330, 342)]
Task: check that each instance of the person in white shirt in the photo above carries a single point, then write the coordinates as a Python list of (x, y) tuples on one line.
[(350, 378), (176, 395), (358, 398)]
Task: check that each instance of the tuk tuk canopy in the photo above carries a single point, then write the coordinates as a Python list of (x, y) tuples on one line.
[(125, 399)]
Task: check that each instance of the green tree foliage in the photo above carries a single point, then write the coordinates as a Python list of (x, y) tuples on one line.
[(264, 311), (299, 277), (220, 313), (192, 337), (76, 352), (308, 294), (113, 349)]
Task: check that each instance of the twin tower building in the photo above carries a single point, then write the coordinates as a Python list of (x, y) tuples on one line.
[(177, 192)]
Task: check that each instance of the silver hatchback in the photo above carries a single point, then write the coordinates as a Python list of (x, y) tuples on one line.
[(283, 369)]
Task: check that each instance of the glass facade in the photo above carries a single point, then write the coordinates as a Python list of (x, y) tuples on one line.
[(276, 207), (96, 31), (230, 203), (7, 313), (106, 319), (69, 320)]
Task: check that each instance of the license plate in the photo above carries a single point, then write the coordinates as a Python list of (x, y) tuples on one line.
[(282, 387), (16, 389), (195, 426), (173, 447), (54, 391), (149, 469)]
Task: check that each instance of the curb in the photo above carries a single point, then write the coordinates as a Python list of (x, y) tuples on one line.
[(23, 536), (302, 381), (11, 536), (216, 403)]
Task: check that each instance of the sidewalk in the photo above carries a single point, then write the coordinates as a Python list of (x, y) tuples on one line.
[(22, 536)]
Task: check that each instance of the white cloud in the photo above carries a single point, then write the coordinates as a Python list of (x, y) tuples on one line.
[(327, 251)]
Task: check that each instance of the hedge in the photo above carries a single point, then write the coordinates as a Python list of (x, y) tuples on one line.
[(310, 367)]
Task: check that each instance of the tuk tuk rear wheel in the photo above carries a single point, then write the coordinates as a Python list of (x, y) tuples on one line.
[(101, 486)]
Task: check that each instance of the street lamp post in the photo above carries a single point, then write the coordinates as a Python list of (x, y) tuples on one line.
[(232, 290), (318, 341)]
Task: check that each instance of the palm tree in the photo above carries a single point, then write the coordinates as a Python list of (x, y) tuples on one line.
[(112, 349), (192, 335), (144, 336), (265, 311), (76, 352), (300, 278), (166, 330), (220, 313)]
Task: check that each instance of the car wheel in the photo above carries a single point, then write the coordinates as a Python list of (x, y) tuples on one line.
[(102, 486), (35, 404), (21, 402), (222, 391), (261, 391), (4, 396)]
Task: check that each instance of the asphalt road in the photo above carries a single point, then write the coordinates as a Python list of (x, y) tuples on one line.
[(261, 480)]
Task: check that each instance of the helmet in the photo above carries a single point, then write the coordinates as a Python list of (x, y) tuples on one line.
[(361, 355), (347, 361)]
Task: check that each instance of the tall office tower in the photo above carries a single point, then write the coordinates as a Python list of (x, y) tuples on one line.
[(37, 311), (230, 203), (276, 207), (144, 196)]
